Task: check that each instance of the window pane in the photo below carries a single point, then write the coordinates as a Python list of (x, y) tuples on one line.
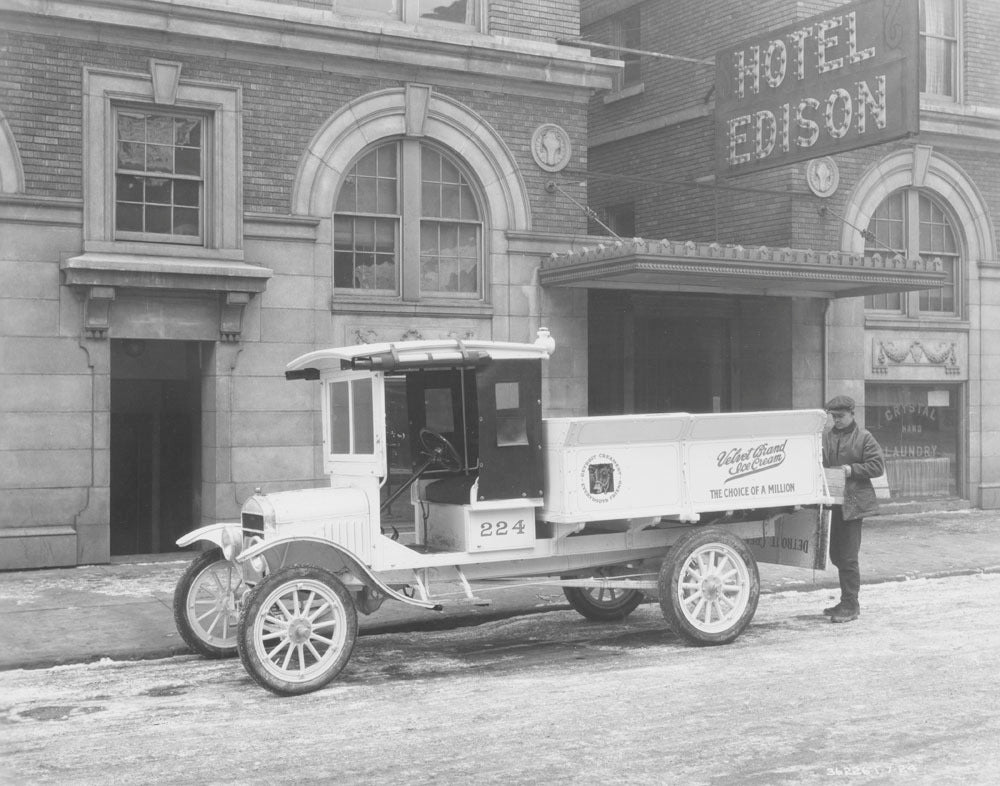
[(445, 11), (364, 427), (468, 276), (367, 195), (449, 172), (937, 17), (186, 193), (158, 219), (340, 417), (131, 127), (185, 221), (439, 410), (367, 166), (187, 161), (128, 218), (343, 270), (431, 196), (129, 188), (187, 132), (364, 234), (160, 129), (387, 7), (449, 239), (347, 200), (429, 279), (158, 190), (387, 161), (131, 155), (450, 201), (386, 196)]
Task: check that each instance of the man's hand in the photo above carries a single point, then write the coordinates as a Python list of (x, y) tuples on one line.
[(847, 470)]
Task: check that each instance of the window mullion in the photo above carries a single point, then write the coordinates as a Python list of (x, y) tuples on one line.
[(410, 197), (911, 220)]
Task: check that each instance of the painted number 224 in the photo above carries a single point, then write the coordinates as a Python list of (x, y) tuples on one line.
[(490, 529)]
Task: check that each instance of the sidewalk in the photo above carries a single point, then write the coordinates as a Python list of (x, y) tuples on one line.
[(124, 611)]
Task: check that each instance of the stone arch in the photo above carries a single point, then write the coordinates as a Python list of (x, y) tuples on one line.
[(11, 171), (415, 110), (921, 167)]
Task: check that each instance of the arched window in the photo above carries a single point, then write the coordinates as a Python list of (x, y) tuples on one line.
[(408, 224), (912, 223)]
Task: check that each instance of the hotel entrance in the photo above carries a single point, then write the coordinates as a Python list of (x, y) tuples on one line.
[(660, 354)]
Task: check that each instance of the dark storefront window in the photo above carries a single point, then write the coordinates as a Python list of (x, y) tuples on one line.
[(918, 429)]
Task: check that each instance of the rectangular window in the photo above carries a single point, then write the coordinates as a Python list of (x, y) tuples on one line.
[(625, 32), (364, 254), (939, 47), (352, 427), (620, 219), (439, 410), (886, 236), (917, 426), (454, 12), (159, 176), (512, 426)]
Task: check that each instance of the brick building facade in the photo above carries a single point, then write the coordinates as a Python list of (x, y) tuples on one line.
[(193, 193), (924, 364)]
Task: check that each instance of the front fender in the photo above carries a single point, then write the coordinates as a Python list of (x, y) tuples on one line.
[(227, 535), (257, 554)]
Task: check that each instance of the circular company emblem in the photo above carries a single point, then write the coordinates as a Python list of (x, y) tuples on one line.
[(550, 147), (822, 176), (601, 478)]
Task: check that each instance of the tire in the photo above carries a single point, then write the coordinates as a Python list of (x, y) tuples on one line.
[(206, 604), (710, 565), (603, 604), (297, 630)]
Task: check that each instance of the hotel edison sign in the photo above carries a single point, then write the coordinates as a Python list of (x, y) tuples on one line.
[(834, 82)]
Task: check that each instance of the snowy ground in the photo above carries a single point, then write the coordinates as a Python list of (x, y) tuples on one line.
[(907, 694)]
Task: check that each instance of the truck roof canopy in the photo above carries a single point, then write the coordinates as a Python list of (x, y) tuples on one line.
[(402, 355)]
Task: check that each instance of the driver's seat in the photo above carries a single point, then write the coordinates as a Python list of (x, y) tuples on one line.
[(452, 490)]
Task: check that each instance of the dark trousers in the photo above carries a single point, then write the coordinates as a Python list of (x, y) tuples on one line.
[(845, 543)]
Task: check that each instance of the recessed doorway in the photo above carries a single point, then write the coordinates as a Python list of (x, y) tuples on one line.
[(155, 444)]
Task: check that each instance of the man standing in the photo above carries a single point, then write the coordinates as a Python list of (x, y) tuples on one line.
[(852, 448)]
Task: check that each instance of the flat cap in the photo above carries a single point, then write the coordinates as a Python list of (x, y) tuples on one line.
[(840, 404)]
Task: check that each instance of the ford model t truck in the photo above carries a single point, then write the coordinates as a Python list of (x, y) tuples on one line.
[(675, 506)]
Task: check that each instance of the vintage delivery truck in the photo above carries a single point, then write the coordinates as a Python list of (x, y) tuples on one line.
[(612, 509)]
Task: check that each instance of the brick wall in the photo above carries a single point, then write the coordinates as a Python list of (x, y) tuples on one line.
[(283, 107), (537, 19), (981, 32)]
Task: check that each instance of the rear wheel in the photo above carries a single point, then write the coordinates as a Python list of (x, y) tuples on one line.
[(206, 604), (709, 586), (603, 604), (297, 630)]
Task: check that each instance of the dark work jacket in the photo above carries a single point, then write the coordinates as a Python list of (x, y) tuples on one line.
[(855, 446)]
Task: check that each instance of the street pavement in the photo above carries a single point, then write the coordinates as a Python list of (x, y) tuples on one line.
[(123, 611)]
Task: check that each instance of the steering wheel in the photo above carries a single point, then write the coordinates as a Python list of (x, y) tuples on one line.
[(437, 447)]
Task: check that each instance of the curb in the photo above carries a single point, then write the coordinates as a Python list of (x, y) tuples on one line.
[(458, 620)]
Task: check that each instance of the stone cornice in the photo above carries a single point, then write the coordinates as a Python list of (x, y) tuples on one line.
[(335, 38)]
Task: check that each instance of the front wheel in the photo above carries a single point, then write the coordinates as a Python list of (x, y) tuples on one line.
[(709, 586), (603, 604), (297, 630), (206, 604)]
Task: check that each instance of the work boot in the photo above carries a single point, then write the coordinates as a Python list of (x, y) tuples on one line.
[(845, 614), (831, 610)]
